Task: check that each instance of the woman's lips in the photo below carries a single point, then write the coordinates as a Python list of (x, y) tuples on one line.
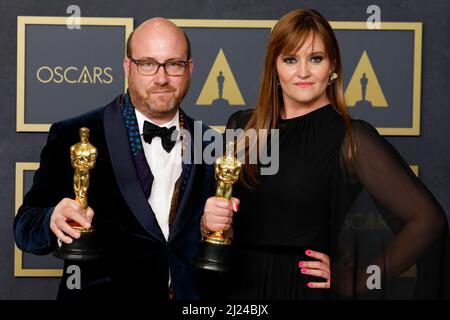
[(303, 84)]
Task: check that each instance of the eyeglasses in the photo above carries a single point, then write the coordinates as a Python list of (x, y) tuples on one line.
[(151, 67)]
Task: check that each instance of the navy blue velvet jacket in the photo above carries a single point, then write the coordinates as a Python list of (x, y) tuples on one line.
[(136, 257)]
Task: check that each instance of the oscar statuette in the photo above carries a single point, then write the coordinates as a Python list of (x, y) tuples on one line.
[(214, 251), (83, 156)]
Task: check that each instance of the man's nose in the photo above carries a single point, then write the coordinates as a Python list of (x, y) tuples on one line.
[(161, 76)]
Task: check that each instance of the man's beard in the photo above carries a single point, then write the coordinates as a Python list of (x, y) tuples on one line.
[(161, 103), (151, 103)]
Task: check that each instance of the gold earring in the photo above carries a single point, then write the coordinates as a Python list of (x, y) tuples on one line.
[(332, 77)]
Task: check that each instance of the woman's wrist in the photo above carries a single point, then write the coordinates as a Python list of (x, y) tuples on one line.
[(204, 230)]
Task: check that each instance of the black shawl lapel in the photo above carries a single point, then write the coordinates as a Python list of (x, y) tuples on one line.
[(125, 171), (183, 214)]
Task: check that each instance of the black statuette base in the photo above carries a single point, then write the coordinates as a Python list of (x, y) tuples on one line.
[(214, 257), (81, 249)]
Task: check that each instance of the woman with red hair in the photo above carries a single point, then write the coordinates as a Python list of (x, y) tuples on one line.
[(289, 236)]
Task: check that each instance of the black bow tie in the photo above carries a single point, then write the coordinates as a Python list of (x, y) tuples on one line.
[(152, 130)]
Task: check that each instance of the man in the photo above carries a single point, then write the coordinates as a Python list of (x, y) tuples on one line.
[(144, 203)]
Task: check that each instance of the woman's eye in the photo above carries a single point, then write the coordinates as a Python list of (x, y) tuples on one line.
[(289, 60), (316, 59)]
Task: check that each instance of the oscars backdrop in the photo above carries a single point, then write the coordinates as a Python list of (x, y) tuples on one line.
[(61, 59)]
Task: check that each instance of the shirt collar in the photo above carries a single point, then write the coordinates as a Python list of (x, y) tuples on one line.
[(142, 118)]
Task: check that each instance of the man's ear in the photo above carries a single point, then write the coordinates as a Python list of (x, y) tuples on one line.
[(190, 67), (126, 66)]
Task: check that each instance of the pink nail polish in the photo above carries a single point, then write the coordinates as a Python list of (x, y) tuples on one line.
[(310, 284), (304, 270), (300, 264), (308, 252)]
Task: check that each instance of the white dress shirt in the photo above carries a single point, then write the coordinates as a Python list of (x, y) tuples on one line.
[(166, 169)]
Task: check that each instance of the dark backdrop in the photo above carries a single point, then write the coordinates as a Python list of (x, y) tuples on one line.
[(431, 150)]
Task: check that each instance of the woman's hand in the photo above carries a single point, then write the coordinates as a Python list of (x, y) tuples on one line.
[(320, 268), (218, 213)]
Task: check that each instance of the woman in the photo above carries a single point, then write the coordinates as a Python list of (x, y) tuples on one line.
[(325, 160)]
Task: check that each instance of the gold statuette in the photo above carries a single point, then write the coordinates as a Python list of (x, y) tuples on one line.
[(214, 252), (227, 173), (82, 156)]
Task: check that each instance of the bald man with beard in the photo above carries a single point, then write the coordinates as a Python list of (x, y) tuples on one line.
[(145, 204)]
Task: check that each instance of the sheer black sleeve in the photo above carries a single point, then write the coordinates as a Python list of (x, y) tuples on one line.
[(416, 220)]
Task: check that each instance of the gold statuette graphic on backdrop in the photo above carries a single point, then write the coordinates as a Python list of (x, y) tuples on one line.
[(83, 156), (214, 251)]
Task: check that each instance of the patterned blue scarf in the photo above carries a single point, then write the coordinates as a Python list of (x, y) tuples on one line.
[(143, 169)]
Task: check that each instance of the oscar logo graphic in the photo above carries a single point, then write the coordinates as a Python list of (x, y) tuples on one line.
[(220, 89), (364, 90)]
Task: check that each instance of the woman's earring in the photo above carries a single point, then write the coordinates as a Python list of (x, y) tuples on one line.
[(332, 77)]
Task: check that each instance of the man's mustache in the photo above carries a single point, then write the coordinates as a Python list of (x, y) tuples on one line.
[(161, 89)]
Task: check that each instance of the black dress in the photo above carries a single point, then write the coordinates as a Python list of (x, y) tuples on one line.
[(307, 204)]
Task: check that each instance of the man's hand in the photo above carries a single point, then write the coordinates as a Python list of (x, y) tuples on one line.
[(218, 213), (69, 210)]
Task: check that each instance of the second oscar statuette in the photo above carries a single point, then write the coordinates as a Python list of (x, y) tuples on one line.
[(83, 156), (214, 251)]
